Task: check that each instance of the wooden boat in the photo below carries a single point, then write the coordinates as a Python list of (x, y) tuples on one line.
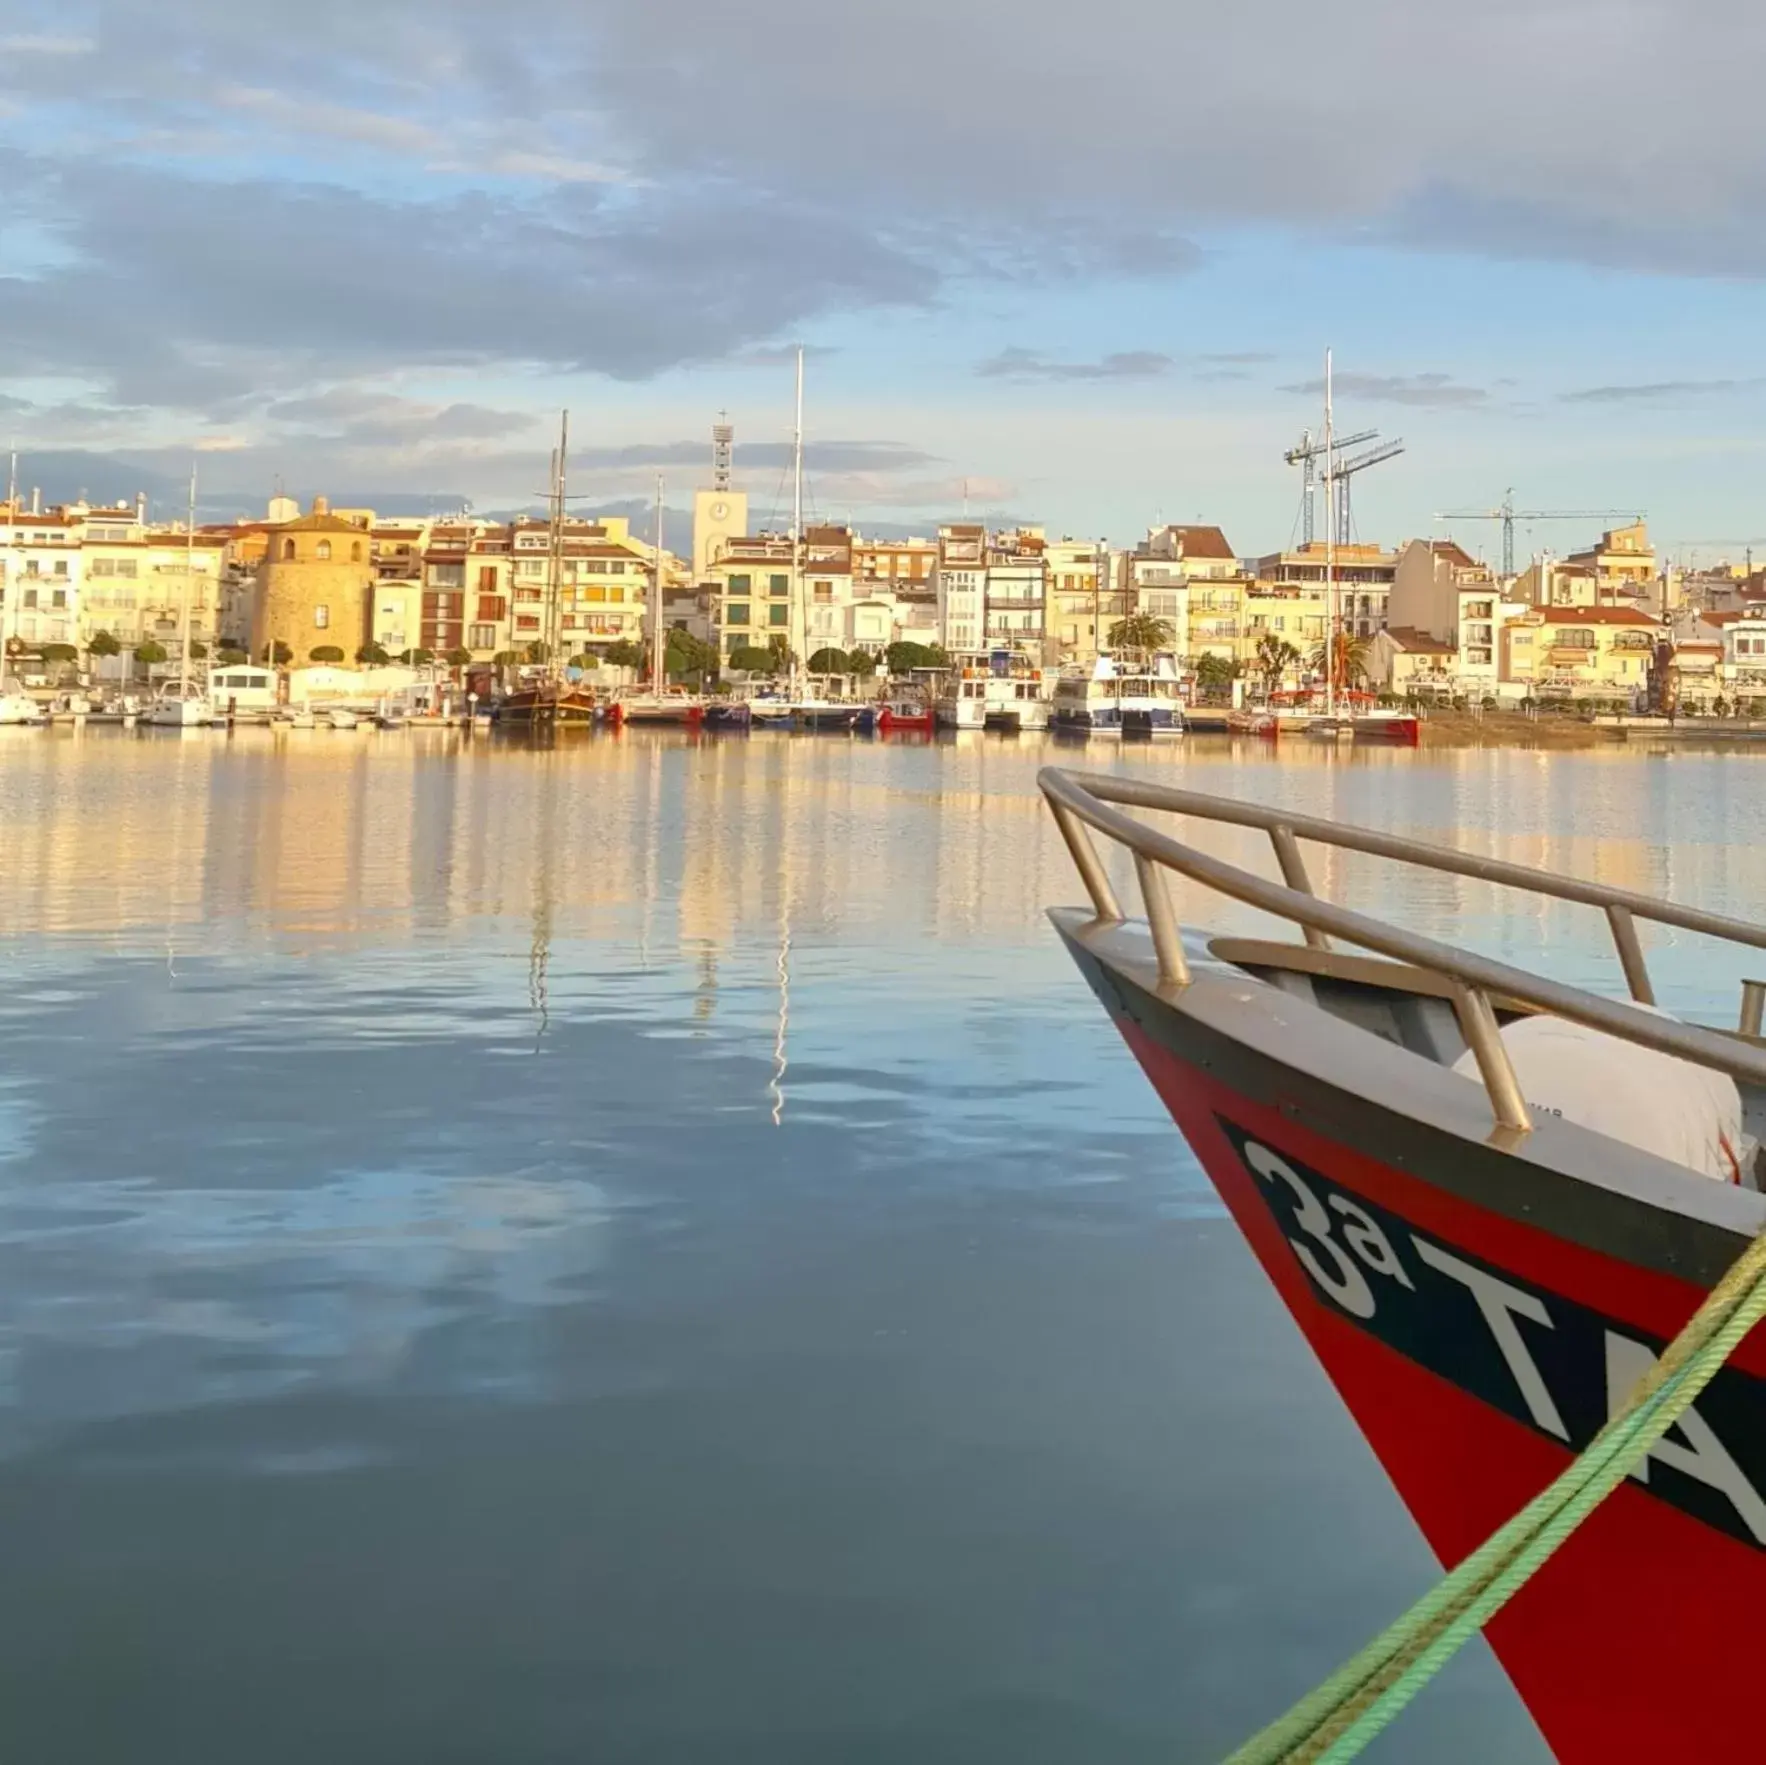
[(547, 704), (1484, 1255)]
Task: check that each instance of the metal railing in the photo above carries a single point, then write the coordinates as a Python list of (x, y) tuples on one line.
[(1087, 801)]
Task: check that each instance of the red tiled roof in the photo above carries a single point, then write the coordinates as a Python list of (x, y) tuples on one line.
[(1418, 643), (1594, 616)]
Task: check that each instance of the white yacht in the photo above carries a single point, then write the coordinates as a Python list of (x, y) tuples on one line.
[(1117, 701), (1003, 691)]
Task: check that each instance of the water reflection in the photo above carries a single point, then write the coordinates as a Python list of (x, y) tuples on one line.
[(671, 1210)]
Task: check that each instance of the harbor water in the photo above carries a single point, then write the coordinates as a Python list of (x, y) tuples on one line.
[(646, 1250)]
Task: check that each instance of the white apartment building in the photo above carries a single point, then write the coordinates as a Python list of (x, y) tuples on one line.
[(959, 580), (40, 578)]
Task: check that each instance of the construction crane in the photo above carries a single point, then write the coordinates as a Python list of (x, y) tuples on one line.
[(1307, 455), (1346, 469), (1508, 515)]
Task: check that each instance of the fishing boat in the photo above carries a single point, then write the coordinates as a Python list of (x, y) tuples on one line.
[(903, 713), (1403, 728), (1489, 1199), (1109, 701)]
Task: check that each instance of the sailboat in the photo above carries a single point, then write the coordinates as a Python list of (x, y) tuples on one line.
[(552, 700), (661, 703), (183, 703)]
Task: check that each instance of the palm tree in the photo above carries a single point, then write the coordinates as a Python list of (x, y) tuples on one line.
[(1141, 631), (1275, 656), (1348, 661)]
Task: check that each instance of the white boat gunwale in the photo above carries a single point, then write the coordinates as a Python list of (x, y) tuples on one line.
[(1082, 801)]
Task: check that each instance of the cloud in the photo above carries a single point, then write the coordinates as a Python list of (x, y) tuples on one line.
[(1429, 391), (1657, 391), (1029, 364), (781, 355), (26, 43), (307, 116), (880, 457)]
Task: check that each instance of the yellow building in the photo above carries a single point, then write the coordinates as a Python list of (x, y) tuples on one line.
[(1622, 563), (1580, 652), (1296, 616), (314, 586)]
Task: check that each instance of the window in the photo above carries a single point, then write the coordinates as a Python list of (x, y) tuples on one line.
[(448, 575), (616, 594), (30, 597), (58, 598), (779, 584), (321, 617), (482, 637), (288, 551), (595, 592), (531, 567), (355, 551), (777, 615), (61, 566), (736, 613), (741, 584), (322, 551), (492, 606), (616, 569)]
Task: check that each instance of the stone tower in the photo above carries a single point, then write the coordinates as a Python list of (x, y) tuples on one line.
[(314, 588)]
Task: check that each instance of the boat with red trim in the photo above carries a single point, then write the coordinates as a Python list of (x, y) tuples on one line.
[(1489, 1199)]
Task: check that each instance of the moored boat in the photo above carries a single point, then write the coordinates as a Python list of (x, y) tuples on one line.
[(1108, 700), (180, 705), (674, 705), (903, 713), (1489, 1200), (728, 714), (19, 708), (1401, 727), (547, 704)]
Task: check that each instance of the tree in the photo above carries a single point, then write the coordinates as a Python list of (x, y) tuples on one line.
[(539, 652), (751, 660), (103, 644), (455, 658), (1216, 673), (781, 648), (863, 666), (502, 659), (684, 654), (903, 657), (60, 652), (326, 652), (1141, 631), (229, 655), (828, 661), (198, 650), (373, 655), (277, 655), (1347, 663), (1275, 656), (150, 652), (623, 654)]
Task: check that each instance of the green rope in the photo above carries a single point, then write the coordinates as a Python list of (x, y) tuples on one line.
[(1332, 1725)]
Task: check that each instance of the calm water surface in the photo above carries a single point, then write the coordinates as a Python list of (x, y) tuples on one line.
[(646, 1251)]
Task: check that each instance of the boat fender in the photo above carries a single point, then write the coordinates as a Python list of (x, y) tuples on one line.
[(1688, 1114)]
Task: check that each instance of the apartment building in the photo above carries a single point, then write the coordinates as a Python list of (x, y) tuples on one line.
[(898, 563), (1442, 592), (960, 582), (40, 577), (1580, 652), (1363, 577), (1014, 598), (752, 592)]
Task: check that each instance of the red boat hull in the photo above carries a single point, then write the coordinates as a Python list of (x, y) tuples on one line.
[(1404, 732), (1469, 1347), (899, 722)]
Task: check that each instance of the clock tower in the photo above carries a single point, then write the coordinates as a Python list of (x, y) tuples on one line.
[(720, 513)]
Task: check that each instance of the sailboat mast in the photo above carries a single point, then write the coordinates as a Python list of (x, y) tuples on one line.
[(560, 465), (184, 611), (798, 638), (8, 569), (656, 641), (1330, 489)]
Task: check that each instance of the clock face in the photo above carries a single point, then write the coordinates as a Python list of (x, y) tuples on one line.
[(720, 511)]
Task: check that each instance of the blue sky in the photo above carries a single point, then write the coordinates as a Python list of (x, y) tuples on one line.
[(1084, 261)]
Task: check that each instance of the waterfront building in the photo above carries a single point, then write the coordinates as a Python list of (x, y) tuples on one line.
[(1580, 652), (1292, 614), (1086, 595), (314, 585), (899, 563), (1363, 575), (1014, 597), (40, 577), (1622, 563), (751, 589), (959, 580), (1403, 660), (1216, 619), (1441, 591), (827, 589)]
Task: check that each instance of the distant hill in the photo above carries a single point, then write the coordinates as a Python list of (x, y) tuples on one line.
[(75, 475)]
